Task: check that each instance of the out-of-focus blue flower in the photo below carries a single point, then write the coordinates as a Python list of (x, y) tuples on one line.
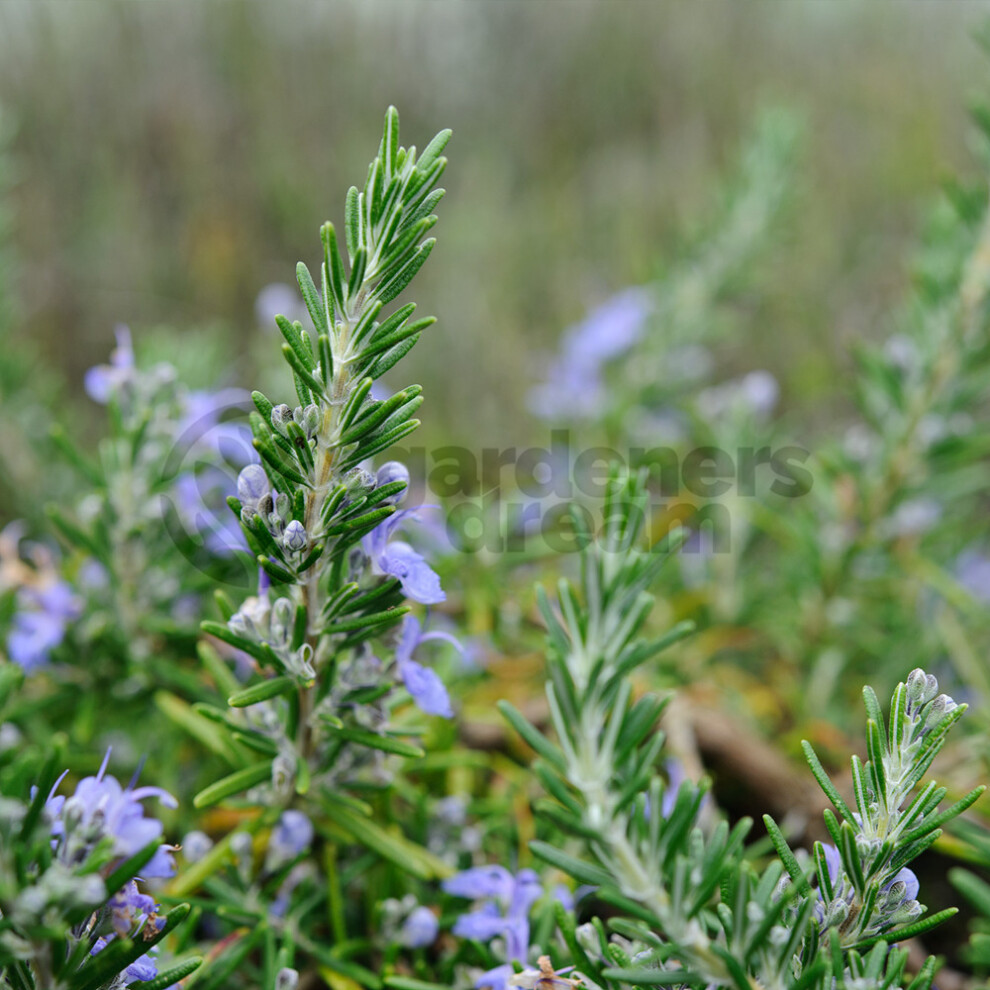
[(101, 808), (756, 394), (200, 501), (40, 623), (573, 386), (92, 574), (202, 431), (423, 684), (202, 412), (973, 572), (215, 446), (290, 838), (399, 560), (419, 929), (196, 845), (675, 777), (279, 299), (103, 380), (505, 913), (481, 881), (914, 517), (299, 874)]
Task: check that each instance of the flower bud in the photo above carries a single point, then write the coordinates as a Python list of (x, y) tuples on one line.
[(287, 979), (942, 706), (294, 537), (921, 687), (283, 506), (358, 480), (310, 420), (195, 846), (389, 472), (252, 483), (281, 414)]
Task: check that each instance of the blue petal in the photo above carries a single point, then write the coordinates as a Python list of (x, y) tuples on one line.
[(419, 581), (481, 881), (426, 688)]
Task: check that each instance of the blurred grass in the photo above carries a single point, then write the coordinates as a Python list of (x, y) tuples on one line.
[(174, 158)]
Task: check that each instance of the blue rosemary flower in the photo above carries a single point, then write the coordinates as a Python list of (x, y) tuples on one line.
[(573, 386), (423, 684), (279, 299), (103, 380), (754, 394), (505, 913), (290, 838), (973, 573), (399, 560), (202, 424), (101, 808), (44, 613), (200, 500)]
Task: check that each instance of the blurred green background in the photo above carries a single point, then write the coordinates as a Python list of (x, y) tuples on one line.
[(173, 158)]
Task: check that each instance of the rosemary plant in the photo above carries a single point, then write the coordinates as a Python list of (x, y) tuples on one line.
[(696, 909)]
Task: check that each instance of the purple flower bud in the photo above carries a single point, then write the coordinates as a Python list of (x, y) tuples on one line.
[(252, 484), (390, 472), (143, 968), (903, 887), (419, 929), (294, 537)]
